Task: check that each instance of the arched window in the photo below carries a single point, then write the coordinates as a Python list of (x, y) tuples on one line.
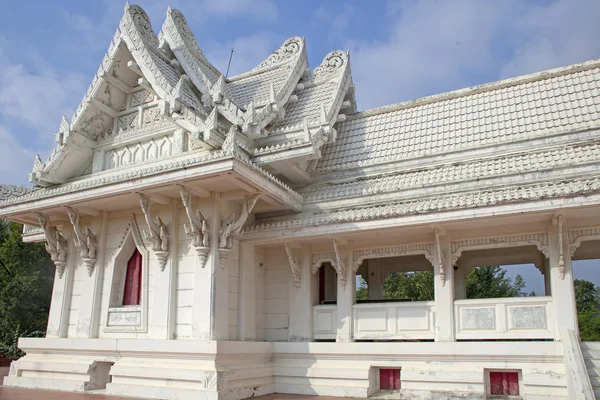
[(133, 280)]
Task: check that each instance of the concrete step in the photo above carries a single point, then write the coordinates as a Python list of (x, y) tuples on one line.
[(591, 354), (591, 345), (597, 393), (595, 381), (591, 363)]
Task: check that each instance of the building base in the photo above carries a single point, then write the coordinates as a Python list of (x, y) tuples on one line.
[(186, 369)]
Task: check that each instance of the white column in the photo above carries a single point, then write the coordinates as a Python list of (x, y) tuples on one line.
[(460, 282), (247, 293), (444, 294), (346, 297), (301, 299), (375, 285), (58, 316), (202, 300), (563, 291), (88, 323), (162, 324), (219, 299)]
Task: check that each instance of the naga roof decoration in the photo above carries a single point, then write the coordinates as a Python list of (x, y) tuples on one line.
[(157, 105)]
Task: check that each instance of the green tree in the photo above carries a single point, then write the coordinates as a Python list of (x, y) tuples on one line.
[(416, 286), (587, 296), (491, 282), (362, 291), (26, 278)]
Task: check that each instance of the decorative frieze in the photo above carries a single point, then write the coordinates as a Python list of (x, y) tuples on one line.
[(540, 240), (56, 245), (231, 228), (425, 249), (85, 241), (157, 233), (318, 259), (577, 236), (198, 228), (139, 152)]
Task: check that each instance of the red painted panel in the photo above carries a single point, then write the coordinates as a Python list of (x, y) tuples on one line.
[(321, 284), (133, 280), (397, 379), (389, 379), (496, 383), (386, 379), (512, 379), (504, 383)]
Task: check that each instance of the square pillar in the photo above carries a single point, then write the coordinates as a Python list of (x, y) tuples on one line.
[(562, 288), (460, 282), (162, 325), (346, 297), (88, 322), (375, 286), (58, 316), (210, 303), (301, 299), (444, 293), (247, 293)]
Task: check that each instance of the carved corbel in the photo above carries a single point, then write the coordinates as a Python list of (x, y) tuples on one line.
[(158, 233), (85, 241), (440, 257), (340, 262), (558, 220), (231, 228), (198, 229), (294, 265), (56, 245)]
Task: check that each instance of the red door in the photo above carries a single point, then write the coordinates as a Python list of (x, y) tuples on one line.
[(389, 379), (133, 280)]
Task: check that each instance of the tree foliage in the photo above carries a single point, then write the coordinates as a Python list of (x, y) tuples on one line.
[(26, 278), (416, 286), (491, 282), (588, 309)]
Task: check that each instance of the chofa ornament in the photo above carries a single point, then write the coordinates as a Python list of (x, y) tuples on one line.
[(332, 62)]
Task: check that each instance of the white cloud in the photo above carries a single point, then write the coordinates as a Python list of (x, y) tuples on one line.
[(436, 45), (32, 100), (16, 159), (249, 51)]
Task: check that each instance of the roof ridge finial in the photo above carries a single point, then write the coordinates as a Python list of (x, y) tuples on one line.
[(127, 5), (169, 10)]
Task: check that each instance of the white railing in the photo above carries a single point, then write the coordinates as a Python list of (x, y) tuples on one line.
[(402, 320), (324, 321), (507, 318)]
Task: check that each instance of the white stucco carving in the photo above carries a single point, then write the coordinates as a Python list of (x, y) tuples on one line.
[(157, 233), (85, 240), (294, 265), (56, 245), (198, 228)]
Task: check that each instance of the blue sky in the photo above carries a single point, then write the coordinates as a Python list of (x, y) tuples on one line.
[(400, 50)]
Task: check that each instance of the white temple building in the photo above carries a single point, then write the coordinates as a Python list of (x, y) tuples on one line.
[(207, 231)]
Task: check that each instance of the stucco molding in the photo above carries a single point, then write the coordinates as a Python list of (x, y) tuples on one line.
[(580, 235), (425, 249), (540, 240)]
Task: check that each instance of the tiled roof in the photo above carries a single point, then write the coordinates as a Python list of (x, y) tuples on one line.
[(551, 102), (256, 88), (459, 172), (308, 105), (465, 200)]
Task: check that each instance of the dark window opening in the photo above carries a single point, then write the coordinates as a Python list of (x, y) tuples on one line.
[(133, 280)]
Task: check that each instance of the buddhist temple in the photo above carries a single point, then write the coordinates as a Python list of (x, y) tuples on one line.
[(208, 231)]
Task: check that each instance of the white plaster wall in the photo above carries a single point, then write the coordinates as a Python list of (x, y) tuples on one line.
[(260, 308), (276, 294)]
